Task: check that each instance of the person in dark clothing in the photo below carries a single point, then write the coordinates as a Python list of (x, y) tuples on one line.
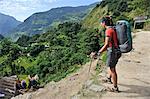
[(17, 85), (23, 84), (33, 81)]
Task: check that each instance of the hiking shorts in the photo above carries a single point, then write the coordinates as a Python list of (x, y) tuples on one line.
[(112, 57)]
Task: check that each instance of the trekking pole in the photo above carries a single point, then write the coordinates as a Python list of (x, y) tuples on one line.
[(90, 67), (98, 58), (91, 57)]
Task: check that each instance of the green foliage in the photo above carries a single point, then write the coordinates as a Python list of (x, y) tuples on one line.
[(147, 25), (52, 55), (23, 40), (104, 57), (89, 41), (118, 9), (35, 50), (69, 45), (5, 46)]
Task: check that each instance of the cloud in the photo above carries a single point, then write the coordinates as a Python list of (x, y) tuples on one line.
[(24, 3), (21, 9)]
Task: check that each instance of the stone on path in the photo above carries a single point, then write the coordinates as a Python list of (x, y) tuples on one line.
[(96, 88)]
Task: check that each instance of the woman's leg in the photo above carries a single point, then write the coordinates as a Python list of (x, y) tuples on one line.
[(114, 76), (109, 73)]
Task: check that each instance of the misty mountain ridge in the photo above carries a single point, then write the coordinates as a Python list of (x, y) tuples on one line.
[(7, 23), (41, 21)]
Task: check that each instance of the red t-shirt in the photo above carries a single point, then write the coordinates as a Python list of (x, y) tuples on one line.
[(113, 37)]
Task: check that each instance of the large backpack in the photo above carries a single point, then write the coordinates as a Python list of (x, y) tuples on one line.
[(123, 30)]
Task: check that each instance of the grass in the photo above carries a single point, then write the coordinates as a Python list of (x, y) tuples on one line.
[(25, 62), (147, 25), (25, 78), (92, 20), (104, 56), (3, 58)]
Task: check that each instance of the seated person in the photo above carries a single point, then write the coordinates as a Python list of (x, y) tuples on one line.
[(17, 85), (23, 84), (33, 81)]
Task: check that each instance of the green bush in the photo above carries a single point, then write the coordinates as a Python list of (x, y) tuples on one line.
[(147, 25), (67, 48)]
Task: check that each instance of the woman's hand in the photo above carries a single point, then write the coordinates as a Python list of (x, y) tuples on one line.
[(98, 54), (93, 55)]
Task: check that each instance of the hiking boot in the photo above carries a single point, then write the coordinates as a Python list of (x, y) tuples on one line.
[(107, 80), (113, 89)]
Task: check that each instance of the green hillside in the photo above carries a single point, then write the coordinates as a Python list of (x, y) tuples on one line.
[(118, 9), (40, 22), (51, 55)]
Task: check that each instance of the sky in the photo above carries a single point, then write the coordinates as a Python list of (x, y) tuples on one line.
[(22, 9)]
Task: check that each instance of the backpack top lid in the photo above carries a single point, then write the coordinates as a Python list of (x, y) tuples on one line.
[(123, 21)]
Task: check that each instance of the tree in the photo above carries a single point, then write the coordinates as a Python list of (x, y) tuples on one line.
[(89, 41), (23, 41), (6, 46)]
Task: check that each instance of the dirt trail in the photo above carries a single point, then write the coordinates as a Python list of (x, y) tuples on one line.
[(133, 76), (134, 71)]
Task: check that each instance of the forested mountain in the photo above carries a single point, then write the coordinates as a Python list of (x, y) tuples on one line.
[(7, 23), (39, 22)]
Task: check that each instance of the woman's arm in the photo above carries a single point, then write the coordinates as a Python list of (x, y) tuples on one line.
[(107, 39)]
